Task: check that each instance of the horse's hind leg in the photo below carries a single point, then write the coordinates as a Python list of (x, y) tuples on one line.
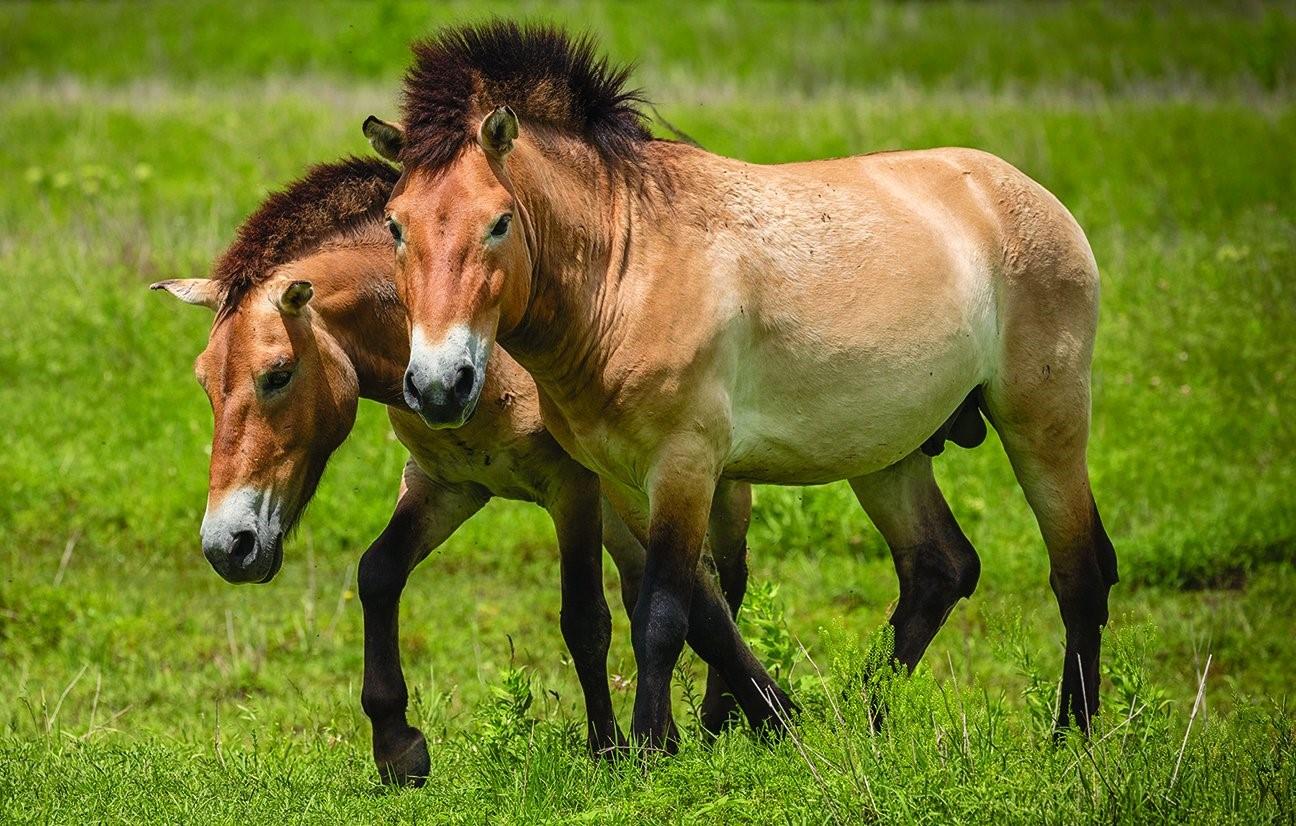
[(1040, 407), (425, 516), (934, 560)]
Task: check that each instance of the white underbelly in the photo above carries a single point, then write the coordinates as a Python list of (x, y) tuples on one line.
[(803, 418), (831, 436)]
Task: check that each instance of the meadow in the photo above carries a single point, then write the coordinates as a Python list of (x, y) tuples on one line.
[(141, 687)]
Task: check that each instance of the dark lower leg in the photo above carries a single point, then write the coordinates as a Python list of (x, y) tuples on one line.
[(934, 576), (631, 576), (587, 630), (399, 749), (935, 562), (719, 708), (1082, 581), (658, 628), (742, 679), (674, 606)]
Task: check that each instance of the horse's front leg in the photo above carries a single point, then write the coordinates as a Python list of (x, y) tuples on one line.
[(676, 603), (730, 518), (727, 532), (585, 620), (426, 514)]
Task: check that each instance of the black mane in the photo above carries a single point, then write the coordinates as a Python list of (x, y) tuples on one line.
[(546, 76), (328, 200)]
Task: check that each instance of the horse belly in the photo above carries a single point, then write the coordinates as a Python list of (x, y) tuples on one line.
[(811, 409), (825, 437)]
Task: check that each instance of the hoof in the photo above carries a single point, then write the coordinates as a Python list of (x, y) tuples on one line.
[(719, 713), (406, 762), (608, 746), (665, 744), (777, 716)]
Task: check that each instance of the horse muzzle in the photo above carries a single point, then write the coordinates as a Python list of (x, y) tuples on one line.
[(241, 546), (242, 558), (443, 384)]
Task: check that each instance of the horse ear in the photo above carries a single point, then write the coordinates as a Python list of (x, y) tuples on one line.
[(498, 131), (387, 139), (203, 292), (295, 296)]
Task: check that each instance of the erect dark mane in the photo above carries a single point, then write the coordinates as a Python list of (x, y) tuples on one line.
[(328, 200), (548, 77)]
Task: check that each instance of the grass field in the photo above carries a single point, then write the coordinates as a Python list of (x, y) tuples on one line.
[(140, 687)]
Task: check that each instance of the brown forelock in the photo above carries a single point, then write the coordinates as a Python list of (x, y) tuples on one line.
[(546, 76), (329, 200)]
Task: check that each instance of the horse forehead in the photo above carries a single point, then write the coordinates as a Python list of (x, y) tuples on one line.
[(221, 341), (254, 326), (223, 362), (455, 189), (238, 342)]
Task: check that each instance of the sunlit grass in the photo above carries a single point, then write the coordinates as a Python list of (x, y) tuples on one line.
[(143, 687)]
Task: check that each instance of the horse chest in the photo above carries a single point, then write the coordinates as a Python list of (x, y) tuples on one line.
[(512, 467)]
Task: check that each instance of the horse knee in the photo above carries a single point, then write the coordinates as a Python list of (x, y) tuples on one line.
[(658, 627), (586, 627)]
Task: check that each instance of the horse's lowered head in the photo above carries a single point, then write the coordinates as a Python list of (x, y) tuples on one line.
[(466, 244), (283, 388), (282, 401)]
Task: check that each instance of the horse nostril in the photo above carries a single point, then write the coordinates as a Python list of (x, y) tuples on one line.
[(243, 549), (465, 378), (411, 392)]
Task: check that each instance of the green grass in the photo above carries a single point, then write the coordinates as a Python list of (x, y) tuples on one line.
[(141, 687)]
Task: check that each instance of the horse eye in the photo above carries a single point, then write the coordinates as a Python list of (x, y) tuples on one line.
[(276, 380), (395, 230), (501, 226)]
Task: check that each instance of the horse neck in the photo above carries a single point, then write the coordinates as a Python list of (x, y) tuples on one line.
[(581, 220), (362, 312)]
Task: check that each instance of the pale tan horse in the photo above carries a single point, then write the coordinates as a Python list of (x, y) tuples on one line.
[(309, 322), (690, 318)]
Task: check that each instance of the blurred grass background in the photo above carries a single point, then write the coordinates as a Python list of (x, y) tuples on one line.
[(134, 137)]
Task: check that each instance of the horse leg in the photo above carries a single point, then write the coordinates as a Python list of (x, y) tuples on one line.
[(727, 532), (934, 560), (676, 603), (585, 620), (730, 515), (425, 516), (627, 550), (627, 554), (1044, 425)]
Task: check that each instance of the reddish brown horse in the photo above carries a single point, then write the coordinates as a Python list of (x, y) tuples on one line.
[(307, 323), (690, 318)]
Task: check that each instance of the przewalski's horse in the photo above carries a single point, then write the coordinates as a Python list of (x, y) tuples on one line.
[(690, 317), (307, 322)]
